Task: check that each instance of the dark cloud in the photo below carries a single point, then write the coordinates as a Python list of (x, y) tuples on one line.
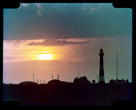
[(56, 42), (15, 42), (68, 20)]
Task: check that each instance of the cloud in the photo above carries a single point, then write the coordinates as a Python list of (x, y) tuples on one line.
[(93, 9), (84, 7), (15, 42), (56, 42), (39, 9), (25, 4), (39, 13), (38, 5)]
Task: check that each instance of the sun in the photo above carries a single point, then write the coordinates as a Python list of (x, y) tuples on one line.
[(45, 57)]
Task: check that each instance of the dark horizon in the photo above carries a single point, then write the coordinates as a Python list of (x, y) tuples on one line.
[(57, 93)]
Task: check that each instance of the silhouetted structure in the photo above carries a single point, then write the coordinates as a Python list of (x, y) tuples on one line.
[(40, 82), (97, 78), (112, 81), (58, 77), (93, 81), (27, 83), (120, 81), (60, 93), (116, 65), (78, 74), (52, 76), (33, 77), (81, 81), (101, 71)]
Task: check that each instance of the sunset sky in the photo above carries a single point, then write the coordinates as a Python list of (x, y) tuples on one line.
[(64, 39)]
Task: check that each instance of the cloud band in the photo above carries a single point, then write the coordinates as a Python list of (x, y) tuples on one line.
[(56, 42)]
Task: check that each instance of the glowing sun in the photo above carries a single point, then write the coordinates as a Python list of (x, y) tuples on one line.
[(45, 57)]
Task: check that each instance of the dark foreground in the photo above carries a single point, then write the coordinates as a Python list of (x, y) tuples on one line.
[(67, 94)]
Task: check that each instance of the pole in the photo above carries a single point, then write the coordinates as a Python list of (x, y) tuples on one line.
[(33, 77), (97, 78), (78, 74), (58, 76), (37, 81), (52, 76), (116, 65)]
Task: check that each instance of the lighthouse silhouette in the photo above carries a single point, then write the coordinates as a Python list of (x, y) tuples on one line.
[(101, 70)]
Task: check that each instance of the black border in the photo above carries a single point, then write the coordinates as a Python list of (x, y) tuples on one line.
[(117, 4)]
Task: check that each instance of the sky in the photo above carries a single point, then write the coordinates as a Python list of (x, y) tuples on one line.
[(65, 39)]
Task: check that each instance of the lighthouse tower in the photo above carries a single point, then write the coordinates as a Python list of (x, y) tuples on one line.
[(101, 71)]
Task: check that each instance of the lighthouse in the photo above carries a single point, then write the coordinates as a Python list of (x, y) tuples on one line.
[(101, 70)]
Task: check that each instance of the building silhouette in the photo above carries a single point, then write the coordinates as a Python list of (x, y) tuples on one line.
[(81, 81), (101, 70), (27, 83)]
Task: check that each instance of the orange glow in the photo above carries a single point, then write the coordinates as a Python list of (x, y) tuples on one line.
[(45, 57), (24, 52)]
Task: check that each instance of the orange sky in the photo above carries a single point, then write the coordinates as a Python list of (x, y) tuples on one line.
[(22, 60)]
